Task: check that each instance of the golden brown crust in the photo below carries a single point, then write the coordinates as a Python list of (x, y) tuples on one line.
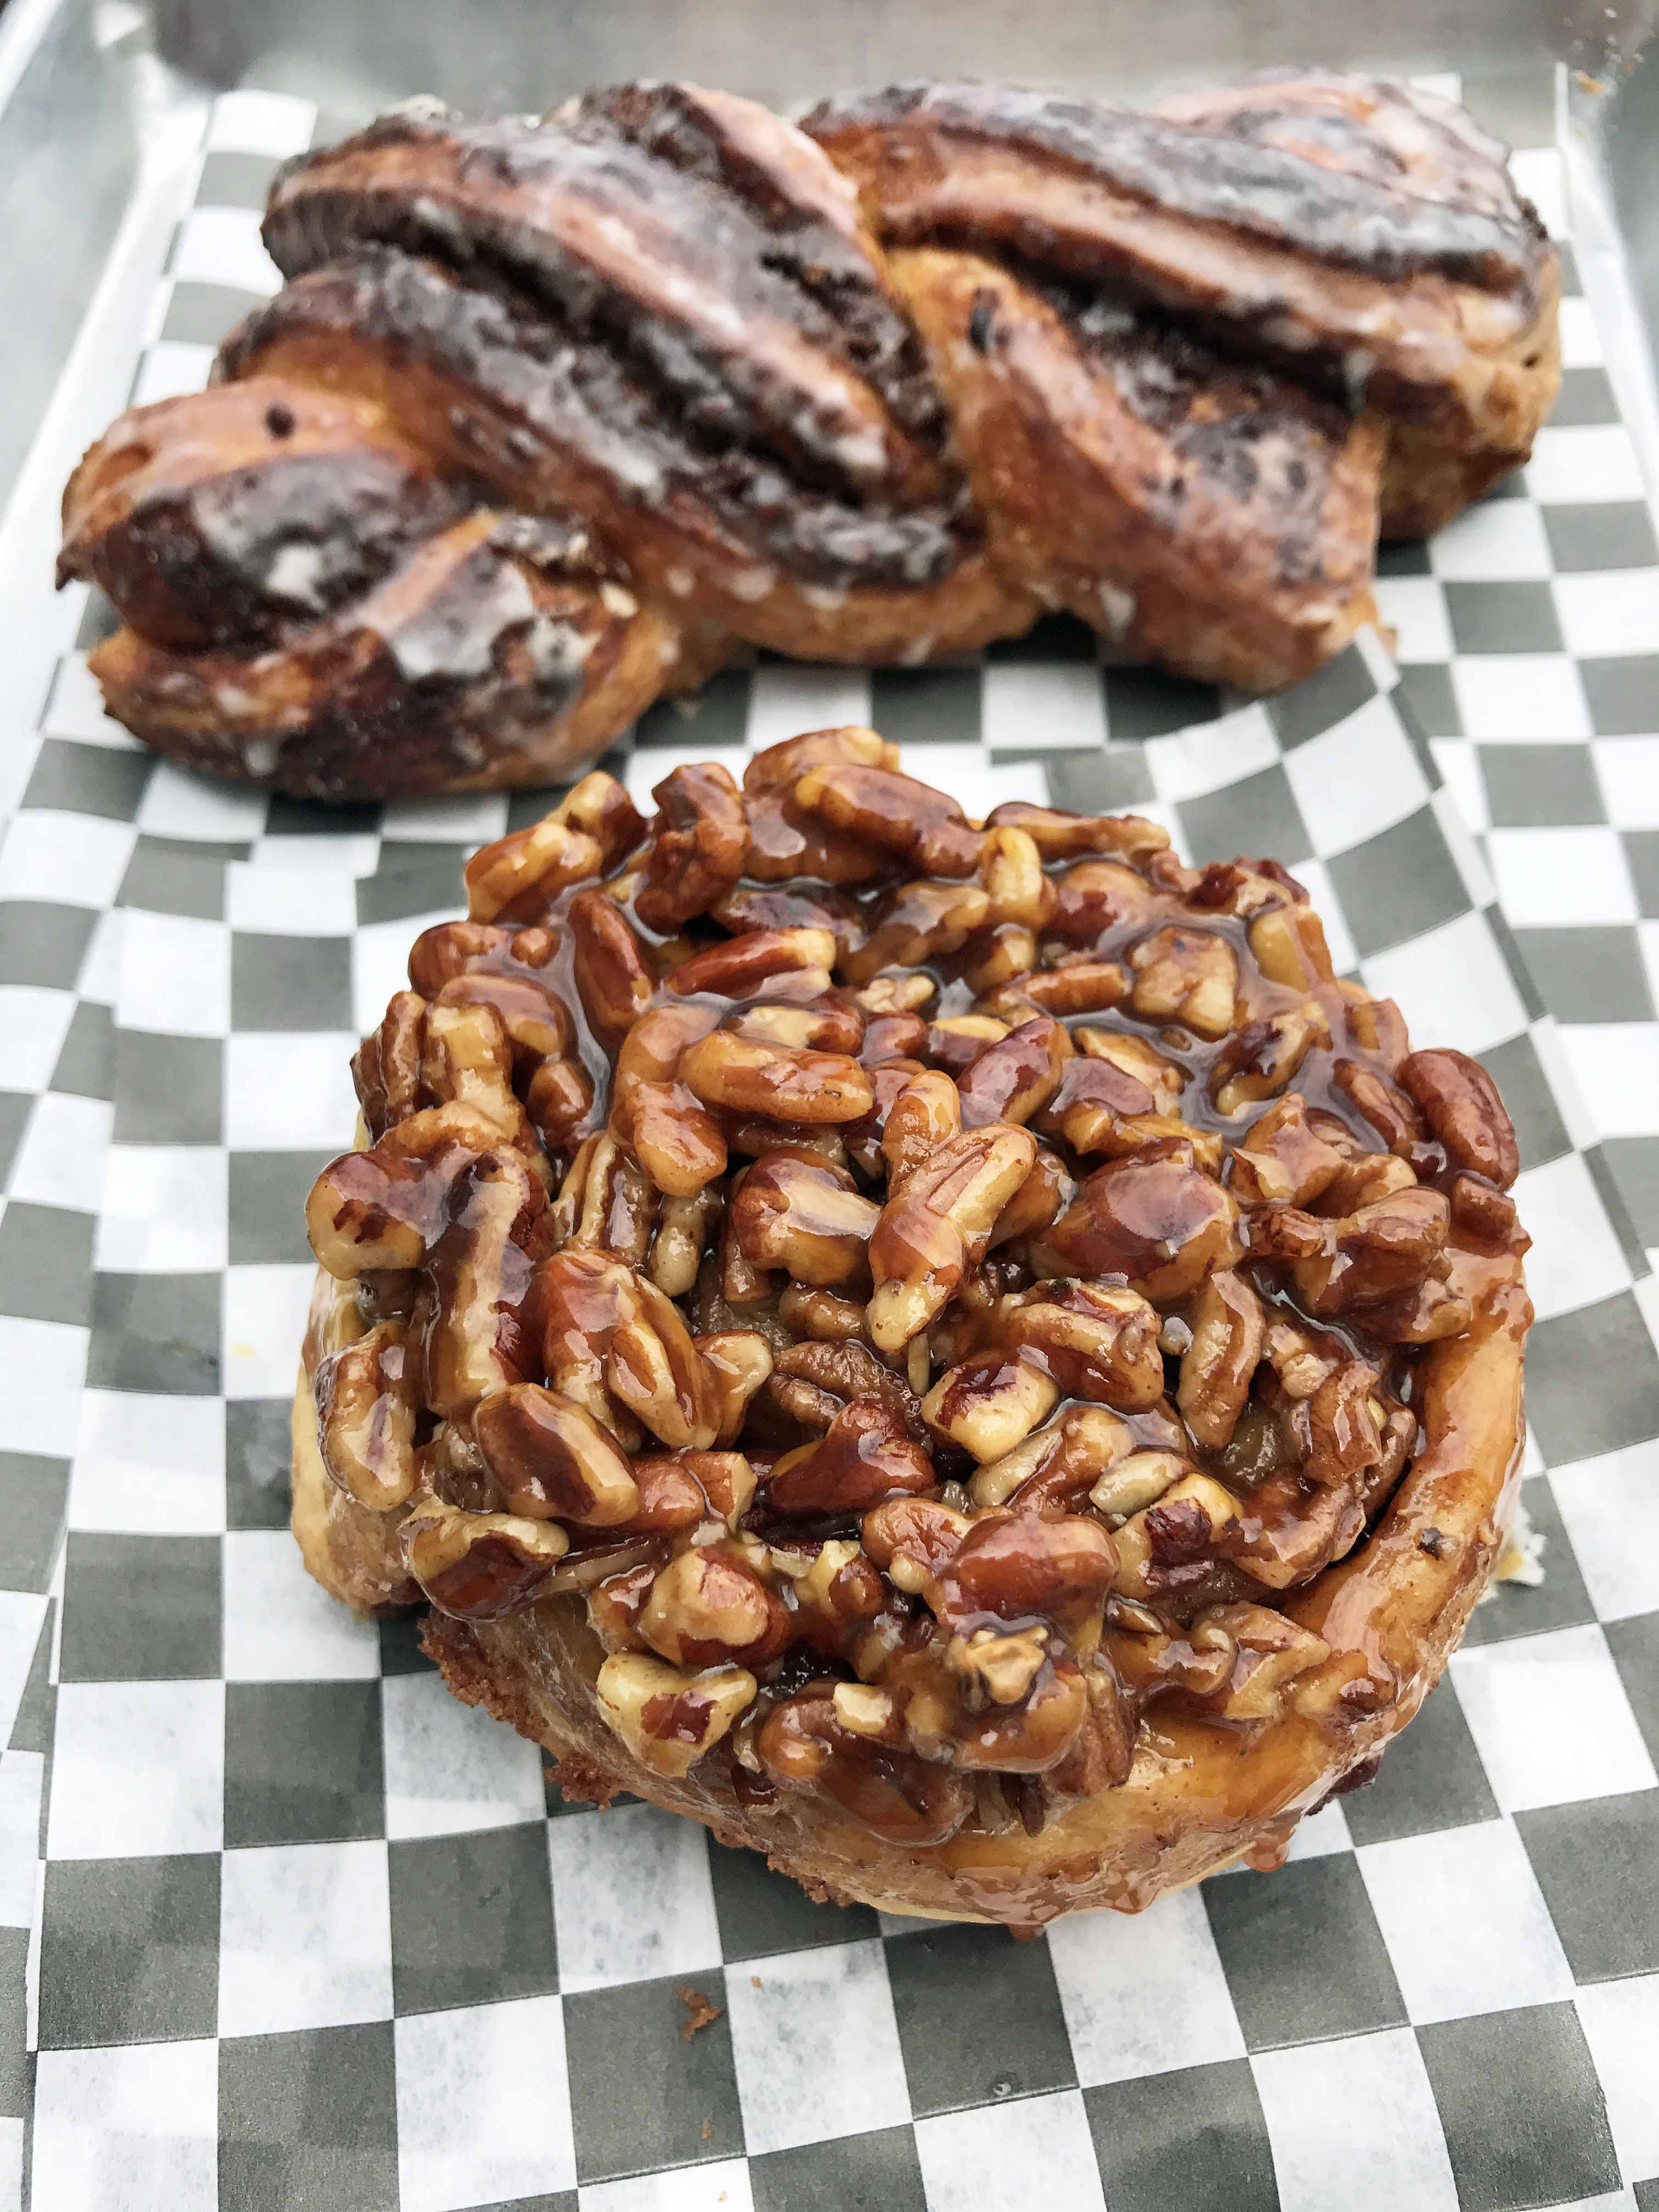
[(1363, 235), (1505, 376), (470, 667), (351, 1551), (391, 330), (1267, 570)]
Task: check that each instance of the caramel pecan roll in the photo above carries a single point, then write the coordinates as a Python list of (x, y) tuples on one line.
[(996, 1463)]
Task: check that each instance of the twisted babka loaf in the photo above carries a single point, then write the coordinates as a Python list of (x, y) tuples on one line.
[(553, 412)]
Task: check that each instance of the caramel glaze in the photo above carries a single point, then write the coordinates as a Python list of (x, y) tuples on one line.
[(1199, 1791)]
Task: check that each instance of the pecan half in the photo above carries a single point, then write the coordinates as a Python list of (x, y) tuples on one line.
[(697, 853), (1460, 1102)]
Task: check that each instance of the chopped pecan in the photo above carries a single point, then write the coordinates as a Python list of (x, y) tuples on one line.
[(1010, 870), (609, 1337), (1379, 1102), (606, 1202), (1058, 836), (866, 1453), (552, 1461), (1094, 897), (674, 1137), (815, 1382), (1159, 1224), (999, 954), (470, 1341), (1096, 1342), (559, 1104), (939, 1223), (609, 965), (1159, 1546), (1485, 1216), (1078, 987), (367, 1406), (1386, 1248), (683, 1226), (1135, 1481), (601, 806), (477, 1566), (1290, 947), (738, 1361), (1229, 1331), (1283, 1155), (752, 908), (744, 967), (1056, 1464), (1258, 1060), (796, 1212), (1269, 1653), (1460, 1102), (668, 1716), (1186, 975), (697, 851), (1015, 1076), (708, 1608), (1344, 1425), (776, 1082), (988, 1403), (922, 826), (519, 877), (1291, 1528), (1017, 1565), (386, 1068), (1046, 1189), (916, 922), (781, 767), (895, 1793)]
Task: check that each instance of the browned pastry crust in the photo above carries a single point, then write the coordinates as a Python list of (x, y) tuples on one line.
[(1363, 235), (1467, 380), (720, 376), (876, 389), (309, 604), (1216, 517), (996, 1461)]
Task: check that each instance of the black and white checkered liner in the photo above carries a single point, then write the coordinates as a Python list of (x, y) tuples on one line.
[(309, 1932)]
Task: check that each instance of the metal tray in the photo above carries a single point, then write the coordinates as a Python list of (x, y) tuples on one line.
[(1451, 1997)]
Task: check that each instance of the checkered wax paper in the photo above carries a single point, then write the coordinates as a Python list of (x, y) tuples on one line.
[(307, 1932)]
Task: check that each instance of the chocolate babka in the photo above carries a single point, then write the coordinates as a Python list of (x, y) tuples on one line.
[(552, 414)]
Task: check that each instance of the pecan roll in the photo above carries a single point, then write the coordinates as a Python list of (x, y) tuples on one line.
[(987, 1492)]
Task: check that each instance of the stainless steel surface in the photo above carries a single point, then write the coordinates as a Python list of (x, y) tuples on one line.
[(1611, 137), (525, 53), (68, 158)]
